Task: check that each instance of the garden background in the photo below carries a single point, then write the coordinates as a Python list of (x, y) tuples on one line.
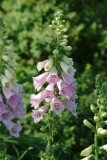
[(27, 23)]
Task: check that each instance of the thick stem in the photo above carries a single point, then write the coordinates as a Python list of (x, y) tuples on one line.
[(96, 143)]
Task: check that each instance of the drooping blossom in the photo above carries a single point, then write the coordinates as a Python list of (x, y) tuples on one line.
[(57, 106), (64, 89), (36, 99), (72, 106), (53, 76), (39, 80), (38, 114), (48, 93), (14, 128)]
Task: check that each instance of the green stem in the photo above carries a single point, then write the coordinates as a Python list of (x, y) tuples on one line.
[(96, 142)]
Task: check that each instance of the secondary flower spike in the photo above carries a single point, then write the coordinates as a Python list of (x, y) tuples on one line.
[(57, 79)]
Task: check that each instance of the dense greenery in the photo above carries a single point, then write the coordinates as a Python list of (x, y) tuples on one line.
[(27, 23)]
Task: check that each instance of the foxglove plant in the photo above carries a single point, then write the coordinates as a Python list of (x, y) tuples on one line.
[(59, 94), (11, 104), (100, 131)]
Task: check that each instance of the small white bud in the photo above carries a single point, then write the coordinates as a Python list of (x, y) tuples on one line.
[(63, 43), (9, 75), (86, 152), (88, 124), (5, 81), (104, 114), (102, 131), (64, 30), (67, 48), (67, 60), (50, 26), (6, 58), (58, 33), (41, 65), (96, 119), (104, 147), (61, 26), (55, 51), (63, 20), (57, 18), (48, 65), (64, 40), (65, 36), (53, 22)]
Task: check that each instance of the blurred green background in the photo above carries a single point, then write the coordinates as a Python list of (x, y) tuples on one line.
[(27, 24)]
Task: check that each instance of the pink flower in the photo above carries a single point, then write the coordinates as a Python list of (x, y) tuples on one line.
[(48, 93), (11, 97), (1, 98), (72, 106), (67, 79), (53, 76), (14, 128), (36, 99), (57, 106), (19, 112), (39, 80), (73, 97), (38, 114), (6, 115), (64, 89)]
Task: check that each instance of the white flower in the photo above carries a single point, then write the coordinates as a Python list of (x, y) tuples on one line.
[(55, 51), (48, 65), (69, 69), (5, 81), (104, 147), (41, 65), (67, 60), (9, 73), (67, 48), (86, 152), (102, 131), (63, 43)]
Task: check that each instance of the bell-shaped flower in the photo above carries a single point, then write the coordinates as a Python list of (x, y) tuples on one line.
[(64, 89), (53, 76), (48, 93), (6, 115), (48, 65), (36, 99), (38, 114), (5, 81), (14, 128), (69, 69), (57, 106), (67, 60), (12, 98), (39, 80), (41, 65), (72, 106), (73, 97), (67, 79), (19, 112)]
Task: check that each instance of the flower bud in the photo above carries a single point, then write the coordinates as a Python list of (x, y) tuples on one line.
[(64, 30), (93, 108), (65, 40), (61, 26), (65, 36), (63, 20), (67, 48), (63, 43), (58, 33), (86, 152), (102, 107), (104, 147), (96, 119), (5, 81), (67, 60), (5, 58), (57, 18), (9, 75), (91, 157), (55, 51), (102, 131), (48, 65), (50, 26), (41, 65), (88, 124), (53, 22), (104, 114)]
